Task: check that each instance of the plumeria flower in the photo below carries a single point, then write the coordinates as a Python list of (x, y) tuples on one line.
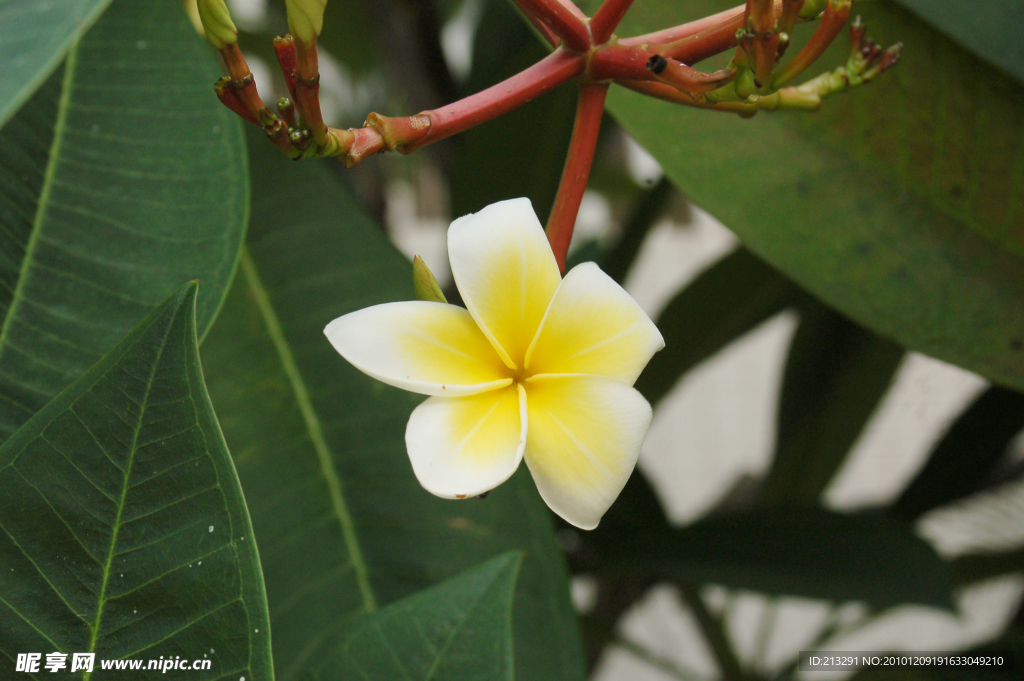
[(536, 367)]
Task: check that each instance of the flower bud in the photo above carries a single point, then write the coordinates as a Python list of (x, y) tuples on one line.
[(424, 283), (220, 30), (305, 19)]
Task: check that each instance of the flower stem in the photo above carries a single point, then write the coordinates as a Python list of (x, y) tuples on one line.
[(562, 220), (676, 96), (832, 22), (553, 70), (548, 34), (564, 20), (695, 40), (307, 89), (607, 18)]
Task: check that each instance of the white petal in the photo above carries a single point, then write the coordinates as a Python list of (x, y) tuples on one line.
[(424, 347), (594, 327), (464, 446), (506, 273), (584, 439)]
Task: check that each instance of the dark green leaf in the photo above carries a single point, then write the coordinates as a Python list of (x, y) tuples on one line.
[(123, 530), (978, 567), (458, 630), (899, 203), (34, 37), (727, 300), (967, 454), (120, 179), (836, 374), (344, 527), (807, 552), (989, 29), (522, 152), (646, 211), (636, 513)]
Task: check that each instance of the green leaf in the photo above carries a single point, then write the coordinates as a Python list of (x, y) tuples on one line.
[(34, 37), (120, 179), (989, 29), (726, 301), (460, 629), (978, 567), (123, 530), (967, 454), (899, 203), (343, 525), (808, 552), (646, 211), (836, 374), (521, 153)]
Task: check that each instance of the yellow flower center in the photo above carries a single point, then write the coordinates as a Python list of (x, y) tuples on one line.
[(519, 375)]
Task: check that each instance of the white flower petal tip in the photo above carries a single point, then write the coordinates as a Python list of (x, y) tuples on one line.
[(424, 347), (583, 442), (462, 447), (505, 270), (593, 327)]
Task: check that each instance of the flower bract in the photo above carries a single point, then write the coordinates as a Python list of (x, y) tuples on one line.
[(536, 367)]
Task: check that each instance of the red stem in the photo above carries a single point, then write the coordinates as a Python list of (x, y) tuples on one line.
[(607, 18), (307, 89), (676, 96), (548, 34), (720, 25), (562, 220), (832, 22), (567, 24), (697, 40), (553, 70), (622, 61)]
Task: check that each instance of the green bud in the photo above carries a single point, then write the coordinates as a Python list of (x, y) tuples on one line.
[(220, 30), (812, 8), (424, 284), (305, 18)]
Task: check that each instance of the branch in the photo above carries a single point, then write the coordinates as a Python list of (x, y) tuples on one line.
[(541, 27), (606, 19), (567, 24), (832, 22), (445, 121), (644, 62), (711, 35), (562, 220)]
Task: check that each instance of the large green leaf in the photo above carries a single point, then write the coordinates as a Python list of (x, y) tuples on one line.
[(123, 530), (989, 29), (836, 374), (34, 37), (899, 203), (119, 180), (797, 551), (458, 630), (344, 527)]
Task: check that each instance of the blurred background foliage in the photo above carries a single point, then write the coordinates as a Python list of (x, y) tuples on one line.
[(887, 223)]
